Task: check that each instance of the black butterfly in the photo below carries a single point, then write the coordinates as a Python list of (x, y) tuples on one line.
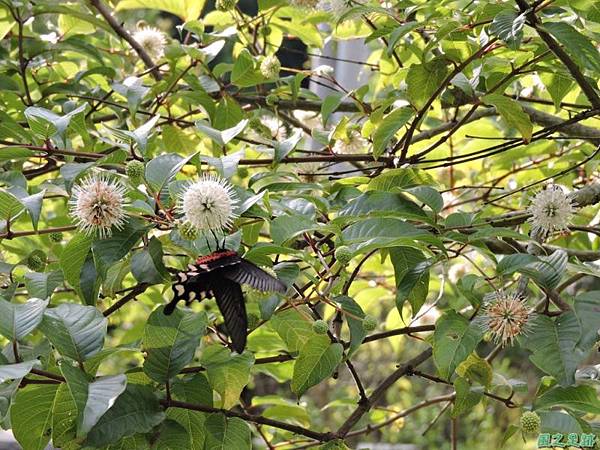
[(219, 275)]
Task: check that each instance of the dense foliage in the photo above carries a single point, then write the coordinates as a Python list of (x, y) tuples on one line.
[(435, 226)]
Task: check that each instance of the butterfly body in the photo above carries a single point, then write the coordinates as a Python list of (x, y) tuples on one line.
[(219, 275)]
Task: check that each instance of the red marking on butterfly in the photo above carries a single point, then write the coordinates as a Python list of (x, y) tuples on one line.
[(220, 275)]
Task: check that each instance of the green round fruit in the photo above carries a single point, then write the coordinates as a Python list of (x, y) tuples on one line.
[(265, 31), (56, 236), (272, 99), (530, 422), (36, 261), (188, 231), (343, 254), (320, 326), (135, 169), (253, 321), (369, 323)]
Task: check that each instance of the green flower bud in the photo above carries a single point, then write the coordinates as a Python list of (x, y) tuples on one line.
[(530, 422), (272, 99), (343, 254), (265, 31), (320, 327), (135, 169), (56, 236), (369, 323), (225, 5), (36, 261), (253, 321), (188, 231)]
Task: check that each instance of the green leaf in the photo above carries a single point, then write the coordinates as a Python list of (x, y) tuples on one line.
[(92, 400), (136, 410), (395, 179), (377, 233), (221, 137), (160, 170), (411, 270), (329, 105), (512, 113), (294, 327), (588, 313), (109, 251), (173, 437), (33, 204), (546, 271), (582, 399), (423, 80), (283, 148), (552, 343), (288, 226), (508, 26), (193, 390), (76, 331), (64, 418), (381, 204), (357, 331), (388, 127), (147, 265), (245, 70), (42, 285), (16, 371), (466, 398), (171, 341), (579, 46), (453, 341), (17, 320), (316, 361), (31, 415), (185, 9), (228, 373), (72, 258), (223, 433), (10, 206), (558, 84)]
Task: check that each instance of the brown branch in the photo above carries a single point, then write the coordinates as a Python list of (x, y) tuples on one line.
[(365, 406), (137, 290), (116, 26), (321, 437)]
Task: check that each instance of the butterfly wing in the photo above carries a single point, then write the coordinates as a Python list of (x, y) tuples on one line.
[(230, 301), (247, 273)]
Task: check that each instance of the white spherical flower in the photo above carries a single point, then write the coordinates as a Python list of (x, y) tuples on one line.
[(336, 7), (208, 204), (270, 67), (506, 317), (152, 40), (323, 70), (354, 143), (304, 4), (551, 210), (97, 205)]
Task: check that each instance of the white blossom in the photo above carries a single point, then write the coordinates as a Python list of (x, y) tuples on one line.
[(305, 4), (152, 40), (270, 67), (208, 204), (323, 70), (336, 7), (551, 210), (354, 143), (97, 205)]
